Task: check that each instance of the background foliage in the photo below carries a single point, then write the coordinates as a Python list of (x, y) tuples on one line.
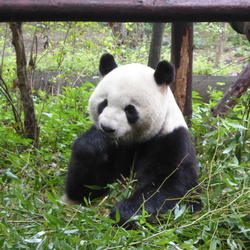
[(77, 46), (32, 180)]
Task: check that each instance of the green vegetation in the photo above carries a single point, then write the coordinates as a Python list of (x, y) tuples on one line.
[(77, 46), (32, 213)]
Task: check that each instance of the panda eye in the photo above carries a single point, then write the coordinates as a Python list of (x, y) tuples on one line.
[(101, 106), (131, 113)]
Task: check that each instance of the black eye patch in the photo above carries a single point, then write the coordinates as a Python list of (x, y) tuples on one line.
[(101, 106), (131, 113)]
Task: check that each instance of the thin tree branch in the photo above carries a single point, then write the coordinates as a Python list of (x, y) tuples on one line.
[(235, 91)]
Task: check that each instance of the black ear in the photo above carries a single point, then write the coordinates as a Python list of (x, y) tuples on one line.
[(164, 73), (107, 64)]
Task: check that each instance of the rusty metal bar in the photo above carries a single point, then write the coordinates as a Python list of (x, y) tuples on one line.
[(125, 10)]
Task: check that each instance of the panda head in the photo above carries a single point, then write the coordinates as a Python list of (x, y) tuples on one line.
[(133, 103)]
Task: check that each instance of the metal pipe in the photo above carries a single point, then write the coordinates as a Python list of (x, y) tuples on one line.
[(125, 10)]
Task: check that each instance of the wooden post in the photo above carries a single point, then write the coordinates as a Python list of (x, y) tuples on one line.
[(181, 57)]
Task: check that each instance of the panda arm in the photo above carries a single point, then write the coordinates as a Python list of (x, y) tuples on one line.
[(166, 170), (89, 166), (168, 161), (91, 143)]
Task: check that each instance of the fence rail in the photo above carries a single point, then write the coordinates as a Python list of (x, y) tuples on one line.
[(53, 83), (125, 10)]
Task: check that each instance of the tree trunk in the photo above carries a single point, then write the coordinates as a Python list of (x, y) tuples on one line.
[(236, 90), (30, 122), (220, 45), (119, 30), (156, 44), (182, 57)]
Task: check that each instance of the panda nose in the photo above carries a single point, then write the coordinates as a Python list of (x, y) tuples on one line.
[(107, 130)]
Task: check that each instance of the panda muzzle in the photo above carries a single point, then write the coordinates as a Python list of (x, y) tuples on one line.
[(107, 130)]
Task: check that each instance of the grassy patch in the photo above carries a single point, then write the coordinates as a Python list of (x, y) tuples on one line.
[(33, 215)]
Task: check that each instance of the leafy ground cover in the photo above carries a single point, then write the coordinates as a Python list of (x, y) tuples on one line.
[(33, 215)]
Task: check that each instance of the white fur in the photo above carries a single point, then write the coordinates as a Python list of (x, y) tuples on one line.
[(134, 84), (66, 199)]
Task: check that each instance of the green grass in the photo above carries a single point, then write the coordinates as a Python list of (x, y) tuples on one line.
[(33, 215)]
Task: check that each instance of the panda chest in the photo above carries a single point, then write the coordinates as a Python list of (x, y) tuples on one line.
[(128, 158), (122, 159)]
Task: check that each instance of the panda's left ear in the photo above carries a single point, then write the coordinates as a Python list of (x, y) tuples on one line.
[(164, 73), (107, 64)]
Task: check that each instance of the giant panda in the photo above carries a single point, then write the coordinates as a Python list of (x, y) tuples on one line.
[(136, 124)]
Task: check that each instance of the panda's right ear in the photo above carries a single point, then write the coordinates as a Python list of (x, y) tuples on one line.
[(107, 64), (164, 73)]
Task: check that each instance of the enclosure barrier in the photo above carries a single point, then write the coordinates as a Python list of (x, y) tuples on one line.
[(125, 10)]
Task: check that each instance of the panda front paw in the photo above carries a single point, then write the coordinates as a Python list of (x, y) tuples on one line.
[(92, 143), (124, 214)]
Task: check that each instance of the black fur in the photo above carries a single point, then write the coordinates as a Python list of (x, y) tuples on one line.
[(131, 113), (107, 64), (164, 73), (165, 170), (102, 105)]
